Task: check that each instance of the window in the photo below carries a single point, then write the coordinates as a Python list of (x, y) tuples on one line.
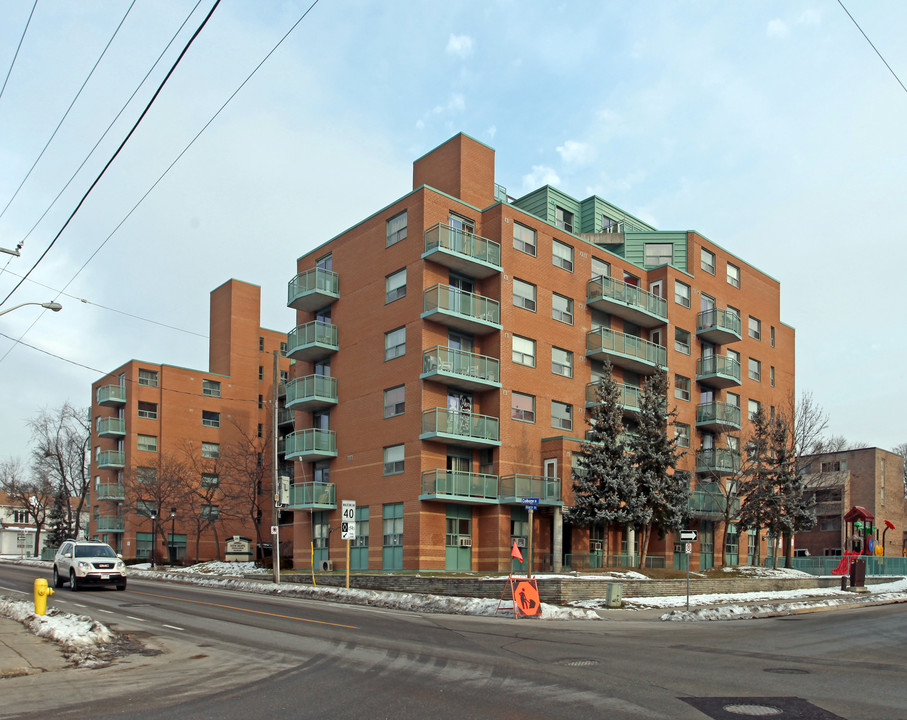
[(707, 261), (392, 525), (733, 399), (211, 388), (261, 372), (396, 229), (210, 418), (733, 356), (524, 294), (733, 275), (832, 466), (522, 407), (261, 344), (681, 293), (146, 508), (210, 480), (659, 254), (730, 308), (681, 387), (563, 219), (148, 443), (211, 450), (146, 475), (261, 428), (561, 362), (147, 410), (561, 415), (600, 268), (755, 370), (771, 375), (682, 434), (148, 377), (261, 402), (682, 341), (395, 286), (755, 328), (524, 239), (752, 407), (283, 349), (393, 460), (772, 333), (284, 376), (394, 343), (210, 512), (562, 255), (394, 401), (562, 308), (523, 351)]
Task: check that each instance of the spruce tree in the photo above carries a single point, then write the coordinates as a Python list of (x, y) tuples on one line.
[(760, 503), (58, 527), (797, 512)]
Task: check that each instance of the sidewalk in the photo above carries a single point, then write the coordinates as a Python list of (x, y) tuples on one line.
[(22, 653)]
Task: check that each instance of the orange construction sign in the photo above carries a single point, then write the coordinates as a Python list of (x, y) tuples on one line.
[(526, 601)]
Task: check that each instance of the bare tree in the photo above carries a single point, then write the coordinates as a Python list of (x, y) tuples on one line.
[(30, 491), (208, 497), (902, 451)]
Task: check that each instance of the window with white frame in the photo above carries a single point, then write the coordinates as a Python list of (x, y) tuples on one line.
[(524, 239), (562, 308), (147, 410), (681, 387), (396, 229), (394, 343), (522, 407), (681, 293), (211, 388), (524, 294), (733, 275), (733, 399), (148, 377), (561, 415), (682, 434), (561, 362), (600, 268), (393, 460), (752, 407), (148, 443), (211, 450), (755, 370), (395, 286), (682, 341), (562, 255), (707, 261), (659, 254), (755, 328), (523, 351), (563, 218), (394, 401), (210, 418)]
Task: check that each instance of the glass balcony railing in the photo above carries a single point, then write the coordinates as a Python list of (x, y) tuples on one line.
[(110, 491), (460, 363), (459, 308), (718, 460), (448, 484), (718, 414), (613, 295), (443, 424), (312, 339), (312, 392), (711, 502), (629, 396), (626, 350), (441, 240), (516, 487), (313, 495), (111, 426), (111, 395), (718, 325), (313, 289), (106, 523), (311, 444), (720, 370), (111, 459)]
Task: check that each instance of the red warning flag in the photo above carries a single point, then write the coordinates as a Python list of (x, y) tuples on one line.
[(515, 553)]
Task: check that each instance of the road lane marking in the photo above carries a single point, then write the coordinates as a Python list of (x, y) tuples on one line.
[(255, 612), (21, 592), (135, 618), (109, 612), (174, 627)]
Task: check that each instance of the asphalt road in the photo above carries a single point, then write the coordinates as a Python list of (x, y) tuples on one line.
[(226, 654)]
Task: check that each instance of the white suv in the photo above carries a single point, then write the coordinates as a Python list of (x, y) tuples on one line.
[(88, 562)]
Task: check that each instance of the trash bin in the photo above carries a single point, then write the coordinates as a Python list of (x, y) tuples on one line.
[(858, 572), (614, 594)]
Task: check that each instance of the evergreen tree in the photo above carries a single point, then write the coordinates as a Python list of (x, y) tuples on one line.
[(797, 511), (661, 500), (58, 527), (760, 503), (603, 481)]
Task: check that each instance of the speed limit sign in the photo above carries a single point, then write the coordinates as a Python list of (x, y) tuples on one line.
[(348, 520)]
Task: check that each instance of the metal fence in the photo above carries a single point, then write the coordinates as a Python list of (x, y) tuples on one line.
[(877, 566)]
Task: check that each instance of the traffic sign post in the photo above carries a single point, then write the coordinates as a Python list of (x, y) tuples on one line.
[(688, 537), (531, 504), (348, 530)]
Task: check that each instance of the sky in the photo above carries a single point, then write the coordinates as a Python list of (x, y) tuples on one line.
[(772, 128)]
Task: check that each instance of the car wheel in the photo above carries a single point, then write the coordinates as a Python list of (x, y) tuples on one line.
[(73, 583), (58, 581), (121, 586)]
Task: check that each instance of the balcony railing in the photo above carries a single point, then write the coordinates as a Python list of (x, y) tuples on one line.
[(626, 351), (464, 427), (516, 487), (718, 414), (111, 395), (106, 523), (312, 444), (311, 392), (313, 495), (629, 396), (313, 289), (461, 250), (718, 326), (110, 491), (712, 502), (111, 459), (627, 301), (107, 427), (463, 486), (285, 416), (462, 310), (460, 367), (311, 340), (718, 460), (718, 371)]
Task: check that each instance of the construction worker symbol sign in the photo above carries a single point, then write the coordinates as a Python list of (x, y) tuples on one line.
[(526, 601)]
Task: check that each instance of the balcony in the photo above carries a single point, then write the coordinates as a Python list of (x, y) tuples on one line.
[(718, 416), (464, 369), (460, 428), (464, 252), (312, 392), (111, 459), (628, 396), (111, 427), (516, 487), (313, 496), (464, 487), (720, 371), (285, 416), (312, 444), (462, 310), (626, 301), (626, 351), (313, 289), (718, 461), (110, 491), (311, 341), (718, 326), (106, 523), (710, 503), (282, 445), (111, 395)]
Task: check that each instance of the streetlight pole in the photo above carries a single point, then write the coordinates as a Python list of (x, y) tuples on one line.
[(172, 545), (153, 533), (55, 306)]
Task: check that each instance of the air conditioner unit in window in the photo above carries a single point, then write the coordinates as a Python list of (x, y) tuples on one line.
[(327, 565), (465, 542), (520, 542), (596, 546)]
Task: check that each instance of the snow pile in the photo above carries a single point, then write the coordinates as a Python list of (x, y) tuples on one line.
[(756, 571), (84, 641)]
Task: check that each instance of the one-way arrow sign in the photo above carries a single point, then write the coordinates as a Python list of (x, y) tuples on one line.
[(689, 535)]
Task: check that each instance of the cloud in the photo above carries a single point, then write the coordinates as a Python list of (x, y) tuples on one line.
[(491, 132), (777, 29), (459, 45), (576, 153), (540, 175)]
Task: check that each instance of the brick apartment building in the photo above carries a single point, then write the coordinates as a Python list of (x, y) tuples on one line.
[(867, 478), (445, 348), (209, 427)]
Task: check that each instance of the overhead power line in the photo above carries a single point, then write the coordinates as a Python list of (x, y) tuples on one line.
[(18, 47), (894, 74)]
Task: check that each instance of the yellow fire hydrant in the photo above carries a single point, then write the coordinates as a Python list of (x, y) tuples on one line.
[(41, 593)]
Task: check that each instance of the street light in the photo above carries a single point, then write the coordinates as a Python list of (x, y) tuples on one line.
[(172, 540), (153, 528), (55, 306)]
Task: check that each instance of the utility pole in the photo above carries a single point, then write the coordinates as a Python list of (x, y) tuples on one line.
[(275, 489)]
